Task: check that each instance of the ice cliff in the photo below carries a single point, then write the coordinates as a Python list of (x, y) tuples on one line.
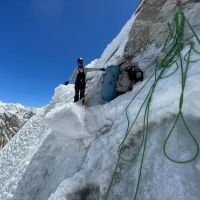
[(69, 151)]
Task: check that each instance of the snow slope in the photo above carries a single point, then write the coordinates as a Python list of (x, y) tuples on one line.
[(162, 179), (68, 151)]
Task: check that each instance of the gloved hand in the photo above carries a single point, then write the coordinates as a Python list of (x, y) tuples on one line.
[(102, 69), (66, 83), (141, 79)]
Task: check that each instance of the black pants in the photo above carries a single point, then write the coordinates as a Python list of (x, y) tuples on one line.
[(79, 92)]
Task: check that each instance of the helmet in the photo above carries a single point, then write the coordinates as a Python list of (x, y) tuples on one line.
[(80, 61)]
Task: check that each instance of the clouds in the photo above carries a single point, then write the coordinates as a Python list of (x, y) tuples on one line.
[(48, 8)]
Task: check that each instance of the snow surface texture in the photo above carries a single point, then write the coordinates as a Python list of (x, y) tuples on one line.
[(68, 152)]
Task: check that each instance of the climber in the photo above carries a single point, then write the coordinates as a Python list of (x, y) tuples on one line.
[(80, 83)]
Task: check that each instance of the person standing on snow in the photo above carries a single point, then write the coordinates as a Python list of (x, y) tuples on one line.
[(80, 83)]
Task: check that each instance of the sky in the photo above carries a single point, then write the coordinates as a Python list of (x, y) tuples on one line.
[(40, 41)]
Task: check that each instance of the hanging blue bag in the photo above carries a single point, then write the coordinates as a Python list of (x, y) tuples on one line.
[(111, 75)]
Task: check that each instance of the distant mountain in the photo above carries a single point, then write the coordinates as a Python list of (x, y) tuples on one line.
[(12, 118)]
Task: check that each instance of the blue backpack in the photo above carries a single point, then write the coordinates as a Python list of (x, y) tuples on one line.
[(111, 75)]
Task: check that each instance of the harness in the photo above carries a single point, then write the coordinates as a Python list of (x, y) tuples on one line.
[(80, 78)]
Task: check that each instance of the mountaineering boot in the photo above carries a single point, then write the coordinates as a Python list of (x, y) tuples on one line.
[(84, 99)]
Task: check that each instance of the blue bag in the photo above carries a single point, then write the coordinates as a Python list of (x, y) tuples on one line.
[(108, 91)]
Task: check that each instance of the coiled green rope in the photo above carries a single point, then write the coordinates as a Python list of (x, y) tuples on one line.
[(175, 42)]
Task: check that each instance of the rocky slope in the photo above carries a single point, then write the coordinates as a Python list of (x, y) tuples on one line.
[(151, 25)]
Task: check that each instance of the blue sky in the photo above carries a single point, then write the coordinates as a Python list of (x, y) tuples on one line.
[(40, 41)]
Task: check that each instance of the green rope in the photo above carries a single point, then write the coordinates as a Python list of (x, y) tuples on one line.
[(180, 114), (176, 42)]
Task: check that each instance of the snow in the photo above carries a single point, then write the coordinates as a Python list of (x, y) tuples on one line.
[(9, 106), (15, 157), (67, 147), (68, 120), (15, 108), (175, 181), (115, 49)]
